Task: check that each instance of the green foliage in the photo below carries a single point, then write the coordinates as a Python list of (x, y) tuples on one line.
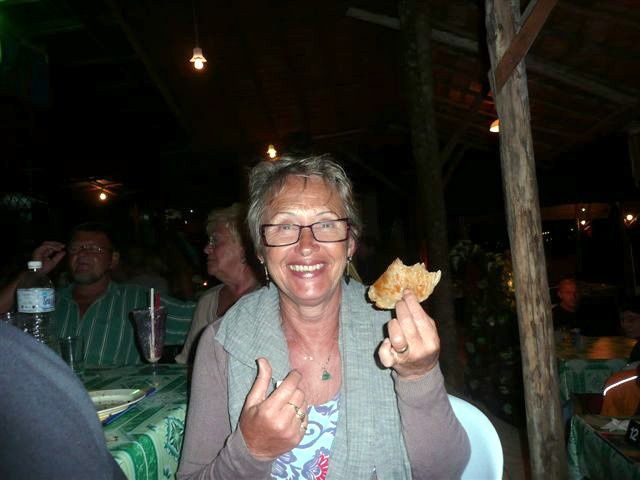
[(483, 281)]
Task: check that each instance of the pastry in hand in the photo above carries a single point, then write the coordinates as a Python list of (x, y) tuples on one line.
[(387, 290)]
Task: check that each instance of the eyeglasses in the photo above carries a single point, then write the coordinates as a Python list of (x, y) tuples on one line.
[(89, 249), (283, 234)]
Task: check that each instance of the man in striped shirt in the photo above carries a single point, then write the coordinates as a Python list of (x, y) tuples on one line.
[(94, 306)]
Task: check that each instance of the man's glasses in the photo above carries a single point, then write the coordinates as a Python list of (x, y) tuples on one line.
[(283, 234), (89, 249)]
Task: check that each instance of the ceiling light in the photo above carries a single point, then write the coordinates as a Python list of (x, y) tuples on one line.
[(495, 126), (197, 59), (102, 196), (272, 152)]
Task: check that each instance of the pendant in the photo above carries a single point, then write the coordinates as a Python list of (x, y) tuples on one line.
[(326, 375)]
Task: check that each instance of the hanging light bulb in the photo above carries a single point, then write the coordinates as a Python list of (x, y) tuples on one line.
[(495, 126), (197, 59), (272, 152), (102, 196)]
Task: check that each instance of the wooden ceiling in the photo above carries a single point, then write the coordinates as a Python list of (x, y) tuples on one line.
[(121, 92)]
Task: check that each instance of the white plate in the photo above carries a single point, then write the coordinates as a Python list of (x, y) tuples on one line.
[(110, 402)]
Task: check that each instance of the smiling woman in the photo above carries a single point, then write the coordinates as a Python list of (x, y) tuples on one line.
[(279, 378)]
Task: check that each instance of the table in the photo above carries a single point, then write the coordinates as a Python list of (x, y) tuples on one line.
[(146, 441), (586, 370), (595, 453)]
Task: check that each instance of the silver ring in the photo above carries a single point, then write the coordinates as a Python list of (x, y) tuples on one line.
[(403, 350)]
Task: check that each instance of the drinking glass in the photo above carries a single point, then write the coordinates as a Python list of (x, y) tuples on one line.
[(72, 352), (150, 327)]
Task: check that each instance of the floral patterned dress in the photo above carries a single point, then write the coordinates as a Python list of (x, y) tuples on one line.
[(310, 459)]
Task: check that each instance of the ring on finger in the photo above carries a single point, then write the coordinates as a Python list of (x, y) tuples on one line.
[(299, 413), (403, 349)]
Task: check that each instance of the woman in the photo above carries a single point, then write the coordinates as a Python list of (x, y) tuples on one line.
[(227, 261), (287, 384)]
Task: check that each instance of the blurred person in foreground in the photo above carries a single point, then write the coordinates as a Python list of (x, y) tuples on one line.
[(227, 261), (621, 395), (49, 424), (93, 305), (298, 378)]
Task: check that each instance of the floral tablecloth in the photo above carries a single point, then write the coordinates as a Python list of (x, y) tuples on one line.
[(146, 440), (585, 367), (595, 453)]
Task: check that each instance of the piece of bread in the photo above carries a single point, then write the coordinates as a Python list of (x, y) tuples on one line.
[(387, 290)]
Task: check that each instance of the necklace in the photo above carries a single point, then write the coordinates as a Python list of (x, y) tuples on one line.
[(326, 375)]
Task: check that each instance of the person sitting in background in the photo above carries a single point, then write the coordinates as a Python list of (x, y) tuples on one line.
[(93, 305), (564, 313), (298, 379), (227, 261), (621, 395), (49, 424)]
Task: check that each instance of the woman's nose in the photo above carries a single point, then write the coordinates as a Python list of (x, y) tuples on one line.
[(307, 242)]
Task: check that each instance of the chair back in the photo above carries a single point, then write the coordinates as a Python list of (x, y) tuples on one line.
[(486, 460)]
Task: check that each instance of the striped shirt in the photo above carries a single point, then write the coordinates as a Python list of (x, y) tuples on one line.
[(108, 332)]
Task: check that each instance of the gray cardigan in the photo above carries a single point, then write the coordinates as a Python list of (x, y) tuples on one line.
[(436, 444)]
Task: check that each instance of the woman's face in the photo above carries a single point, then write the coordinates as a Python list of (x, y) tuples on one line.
[(224, 253), (307, 272)]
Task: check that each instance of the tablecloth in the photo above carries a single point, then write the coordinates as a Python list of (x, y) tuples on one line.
[(146, 440)]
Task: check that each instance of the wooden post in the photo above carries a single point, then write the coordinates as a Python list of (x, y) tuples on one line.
[(416, 31), (542, 399)]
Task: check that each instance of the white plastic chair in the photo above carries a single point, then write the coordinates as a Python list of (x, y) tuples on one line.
[(486, 460)]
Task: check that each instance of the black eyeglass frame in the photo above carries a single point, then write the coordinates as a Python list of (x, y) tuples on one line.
[(300, 227)]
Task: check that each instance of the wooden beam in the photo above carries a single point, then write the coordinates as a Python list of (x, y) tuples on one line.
[(521, 43), (415, 20), (445, 153), (542, 395), (545, 68), (159, 82)]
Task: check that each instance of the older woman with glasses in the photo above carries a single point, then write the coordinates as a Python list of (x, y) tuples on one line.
[(298, 379), (227, 261)]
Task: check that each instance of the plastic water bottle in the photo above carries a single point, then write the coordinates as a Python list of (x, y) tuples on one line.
[(36, 302)]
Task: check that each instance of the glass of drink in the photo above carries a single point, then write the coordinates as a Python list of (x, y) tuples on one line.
[(72, 352), (149, 326)]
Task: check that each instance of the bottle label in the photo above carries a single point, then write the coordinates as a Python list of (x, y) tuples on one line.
[(36, 300)]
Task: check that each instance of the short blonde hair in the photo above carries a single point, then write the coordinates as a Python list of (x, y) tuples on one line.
[(232, 217)]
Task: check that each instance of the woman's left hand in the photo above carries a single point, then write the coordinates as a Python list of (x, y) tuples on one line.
[(413, 344)]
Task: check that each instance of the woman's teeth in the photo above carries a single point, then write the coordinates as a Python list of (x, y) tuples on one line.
[(305, 268)]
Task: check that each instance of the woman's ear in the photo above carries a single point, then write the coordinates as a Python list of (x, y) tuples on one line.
[(351, 247)]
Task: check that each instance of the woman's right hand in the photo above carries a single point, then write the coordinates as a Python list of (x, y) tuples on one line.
[(49, 253), (272, 425)]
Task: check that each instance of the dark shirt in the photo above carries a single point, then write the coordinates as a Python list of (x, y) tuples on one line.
[(49, 424), (564, 318)]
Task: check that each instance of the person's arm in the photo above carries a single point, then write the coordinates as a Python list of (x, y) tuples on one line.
[(179, 315), (202, 316), (49, 253), (437, 445), (210, 450), (8, 294)]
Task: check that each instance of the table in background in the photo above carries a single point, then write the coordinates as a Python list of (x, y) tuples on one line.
[(586, 370), (595, 453), (146, 441)]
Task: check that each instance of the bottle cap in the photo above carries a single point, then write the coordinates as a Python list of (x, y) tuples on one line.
[(34, 264)]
